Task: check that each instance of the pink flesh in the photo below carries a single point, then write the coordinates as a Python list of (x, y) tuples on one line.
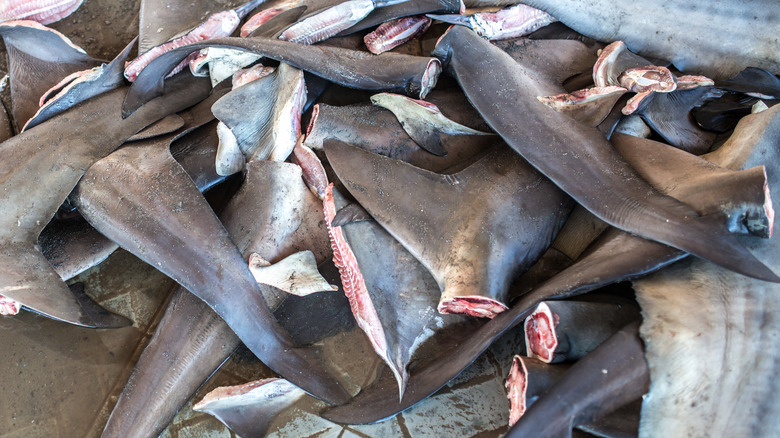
[(231, 391), (393, 33), (648, 78), (516, 388), (472, 305), (579, 96), (352, 281), (541, 340), (258, 20), (218, 25), (315, 111), (9, 306), (430, 77), (247, 75), (313, 172), (41, 11), (55, 90), (607, 55), (634, 102), (688, 82)]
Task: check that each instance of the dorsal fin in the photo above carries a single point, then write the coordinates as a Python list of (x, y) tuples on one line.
[(38, 58)]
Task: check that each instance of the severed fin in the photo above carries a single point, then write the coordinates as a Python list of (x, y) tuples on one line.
[(38, 58), (503, 225), (590, 106), (264, 115), (93, 83), (611, 376), (669, 114), (30, 280), (312, 169), (755, 82), (353, 212), (167, 125), (613, 61), (460, 20), (422, 121), (296, 274), (250, 409)]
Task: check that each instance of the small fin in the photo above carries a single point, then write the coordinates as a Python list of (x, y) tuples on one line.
[(353, 212), (422, 121), (296, 274), (250, 409), (229, 159)]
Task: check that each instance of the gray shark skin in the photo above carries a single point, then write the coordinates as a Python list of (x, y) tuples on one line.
[(161, 21), (615, 256), (74, 143), (169, 232), (611, 376), (355, 69), (377, 130), (274, 215), (38, 59), (73, 246), (472, 253), (6, 131), (718, 39), (718, 336), (579, 159)]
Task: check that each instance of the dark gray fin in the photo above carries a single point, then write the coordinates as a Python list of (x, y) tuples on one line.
[(28, 278), (460, 20), (435, 224), (38, 59), (377, 130), (167, 125), (352, 212), (559, 31), (214, 270), (555, 59), (722, 115), (73, 246), (249, 409), (412, 75), (561, 331), (611, 376), (669, 114), (755, 82), (566, 144), (104, 78), (417, 7), (274, 27)]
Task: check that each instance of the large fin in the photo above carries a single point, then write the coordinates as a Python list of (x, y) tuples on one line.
[(39, 58), (213, 269), (513, 215), (578, 159)]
